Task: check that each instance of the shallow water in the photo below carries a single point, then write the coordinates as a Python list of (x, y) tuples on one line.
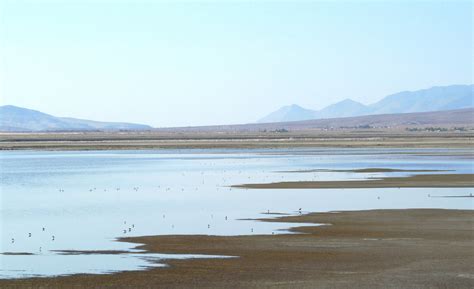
[(88, 199)]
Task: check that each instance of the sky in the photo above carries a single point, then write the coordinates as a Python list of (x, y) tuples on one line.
[(183, 63)]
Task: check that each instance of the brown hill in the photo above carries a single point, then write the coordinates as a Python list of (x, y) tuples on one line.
[(448, 118)]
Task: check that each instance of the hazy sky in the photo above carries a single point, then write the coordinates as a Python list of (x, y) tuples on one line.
[(194, 63)]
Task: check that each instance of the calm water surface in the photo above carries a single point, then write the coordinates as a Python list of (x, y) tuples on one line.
[(85, 200)]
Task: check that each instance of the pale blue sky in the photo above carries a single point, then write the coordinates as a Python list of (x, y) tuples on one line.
[(196, 63)]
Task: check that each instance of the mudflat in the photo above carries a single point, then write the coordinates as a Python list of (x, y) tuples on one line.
[(415, 181), (413, 248)]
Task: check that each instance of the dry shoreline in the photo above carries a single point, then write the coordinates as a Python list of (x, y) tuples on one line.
[(413, 248), (232, 140), (414, 181)]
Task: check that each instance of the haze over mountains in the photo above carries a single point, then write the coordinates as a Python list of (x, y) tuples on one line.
[(438, 98), (13, 118), (454, 97)]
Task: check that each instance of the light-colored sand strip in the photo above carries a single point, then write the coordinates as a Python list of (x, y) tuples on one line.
[(416, 181)]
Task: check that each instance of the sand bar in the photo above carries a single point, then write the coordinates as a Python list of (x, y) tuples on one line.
[(363, 171), (415, 181)]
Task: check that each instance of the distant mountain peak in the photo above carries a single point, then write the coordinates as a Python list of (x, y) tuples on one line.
[(436, 98), (288, 113), (294, 105), (348, 101), (15, 118)]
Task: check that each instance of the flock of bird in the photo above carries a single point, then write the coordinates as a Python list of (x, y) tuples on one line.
[(30, 235), (130, 227)]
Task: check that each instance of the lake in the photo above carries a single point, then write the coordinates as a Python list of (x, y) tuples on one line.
[(52, 202)]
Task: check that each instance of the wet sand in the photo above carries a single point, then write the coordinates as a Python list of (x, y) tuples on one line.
[(418, 248), (415, 181)]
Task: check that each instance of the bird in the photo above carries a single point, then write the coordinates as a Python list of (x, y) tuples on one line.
[(52, 239), (29, 235)]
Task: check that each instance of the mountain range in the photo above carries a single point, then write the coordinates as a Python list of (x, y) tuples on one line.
[(438, 98), (454, 97), (13, 118), (457, 118)]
